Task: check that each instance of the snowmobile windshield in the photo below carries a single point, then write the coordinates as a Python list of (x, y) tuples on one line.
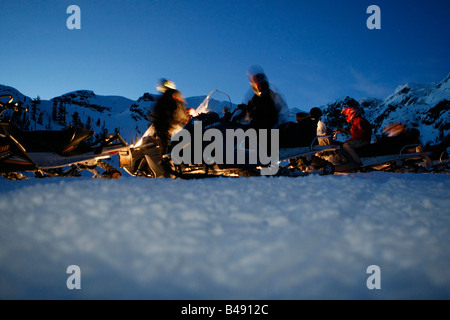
[(6, 99), (214, 103)]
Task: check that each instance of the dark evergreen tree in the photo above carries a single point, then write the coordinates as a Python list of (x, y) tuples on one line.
[(48, 126), (40, 119), (62, 112), (33, 114), (55, 111), (89, 123), (76, 121)]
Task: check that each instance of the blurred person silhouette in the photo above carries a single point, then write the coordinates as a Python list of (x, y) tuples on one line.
[(164, 84), (169, 114), (265, 108)]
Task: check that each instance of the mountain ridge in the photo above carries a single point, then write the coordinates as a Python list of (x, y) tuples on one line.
[(422, 106)]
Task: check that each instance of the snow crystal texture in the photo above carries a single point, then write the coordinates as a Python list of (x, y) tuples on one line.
[(249, 238)]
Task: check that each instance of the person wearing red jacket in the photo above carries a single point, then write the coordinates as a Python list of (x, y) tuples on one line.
[(361, 133)]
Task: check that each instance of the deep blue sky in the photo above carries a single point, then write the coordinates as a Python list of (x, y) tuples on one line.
[(312, 51)]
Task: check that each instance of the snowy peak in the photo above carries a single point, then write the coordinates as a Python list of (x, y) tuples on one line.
[(409, 94), (81, 94), (88, 99), (445, 84), (416, 94), (407, 88), (16, 94)]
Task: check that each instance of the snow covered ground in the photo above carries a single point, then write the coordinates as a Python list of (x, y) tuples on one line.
[(249, 238)]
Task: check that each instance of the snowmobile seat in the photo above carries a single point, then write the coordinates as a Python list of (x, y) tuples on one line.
[(389, 146), (62, 142), (373, 150), (439, 151), (295, 135)]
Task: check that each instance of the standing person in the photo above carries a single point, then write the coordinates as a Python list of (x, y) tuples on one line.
[(316, 114), (264, 107), (162, 85), (361, 133), (169, 114)]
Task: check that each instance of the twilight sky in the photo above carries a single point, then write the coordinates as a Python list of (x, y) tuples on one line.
[(312, 51)]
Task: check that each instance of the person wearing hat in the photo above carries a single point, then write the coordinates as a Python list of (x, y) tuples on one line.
[(169, 114), (164, 84), (361, 134)]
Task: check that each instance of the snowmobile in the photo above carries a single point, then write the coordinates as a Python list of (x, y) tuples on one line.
[(294, 158), (64, 153), (403, 153), (440, 156)]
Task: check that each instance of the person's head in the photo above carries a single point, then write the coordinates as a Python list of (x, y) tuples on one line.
[(258, 80), (316, 113), (351, 113), (259, 84), (163, 84)]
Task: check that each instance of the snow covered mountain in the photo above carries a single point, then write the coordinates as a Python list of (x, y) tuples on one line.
[(422, 106), (102, 114), (99, 113)]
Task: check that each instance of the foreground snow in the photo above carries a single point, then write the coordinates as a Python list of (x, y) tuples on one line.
[(257, 238)]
